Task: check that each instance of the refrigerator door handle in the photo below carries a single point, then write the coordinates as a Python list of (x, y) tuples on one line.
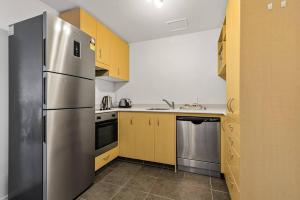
[(44, 126)]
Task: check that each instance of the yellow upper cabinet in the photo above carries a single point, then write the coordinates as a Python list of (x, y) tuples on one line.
[(111, 53), (124, 59), (103, 44), (88, 23), (81, 19)]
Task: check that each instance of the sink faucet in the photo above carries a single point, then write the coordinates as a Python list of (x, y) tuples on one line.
[(171, 105)]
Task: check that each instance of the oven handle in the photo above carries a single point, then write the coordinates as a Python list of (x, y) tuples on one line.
[(107, 122)]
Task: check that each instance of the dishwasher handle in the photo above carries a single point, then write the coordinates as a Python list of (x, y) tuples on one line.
[(198, 120)]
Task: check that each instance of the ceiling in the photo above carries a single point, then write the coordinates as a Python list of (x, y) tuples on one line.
[(139, 20)]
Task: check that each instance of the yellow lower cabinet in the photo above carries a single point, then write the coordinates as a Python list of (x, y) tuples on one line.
[(144, 136), (148, 136), (165, 133), (105, 158), (126, 134)]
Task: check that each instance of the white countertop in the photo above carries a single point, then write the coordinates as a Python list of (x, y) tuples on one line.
[(210, 109)]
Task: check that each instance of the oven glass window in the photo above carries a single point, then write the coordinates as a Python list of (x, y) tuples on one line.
[(106, 133)]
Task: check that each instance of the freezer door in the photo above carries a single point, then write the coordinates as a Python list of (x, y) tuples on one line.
[(198, 142), (68, 49), (63, 91), (70, 144)]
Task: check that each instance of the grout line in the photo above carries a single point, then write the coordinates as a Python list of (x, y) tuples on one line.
[(219, 191), (161, 196), (211, 189), (147, 195)]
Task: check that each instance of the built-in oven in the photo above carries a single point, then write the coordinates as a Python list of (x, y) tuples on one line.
[(106, 133)]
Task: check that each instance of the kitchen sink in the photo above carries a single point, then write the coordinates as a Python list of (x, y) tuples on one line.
[(158, 109)]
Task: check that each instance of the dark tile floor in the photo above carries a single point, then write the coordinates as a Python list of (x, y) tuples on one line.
[(122, 180)]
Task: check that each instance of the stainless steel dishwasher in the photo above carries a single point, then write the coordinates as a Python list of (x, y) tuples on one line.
[(198, 145)]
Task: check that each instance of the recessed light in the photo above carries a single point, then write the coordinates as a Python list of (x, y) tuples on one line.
[(157, 3)]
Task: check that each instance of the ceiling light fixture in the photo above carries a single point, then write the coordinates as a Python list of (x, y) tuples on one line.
[(157, 3)]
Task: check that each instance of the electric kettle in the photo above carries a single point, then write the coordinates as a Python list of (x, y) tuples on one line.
[(106, 103)]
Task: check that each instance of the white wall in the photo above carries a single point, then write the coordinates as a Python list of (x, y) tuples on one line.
[(104, 88), (181, 68), (12, 11), (3, 113)]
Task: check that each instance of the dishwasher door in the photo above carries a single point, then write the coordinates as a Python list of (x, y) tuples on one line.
[(198, 145)]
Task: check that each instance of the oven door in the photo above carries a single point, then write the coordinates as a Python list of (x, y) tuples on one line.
[(106, 136)]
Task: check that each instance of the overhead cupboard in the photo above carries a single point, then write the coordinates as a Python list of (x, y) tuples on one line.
[(111, 51)]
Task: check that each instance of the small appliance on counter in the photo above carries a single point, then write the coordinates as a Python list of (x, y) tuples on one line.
[(106, 103), (125, 103)]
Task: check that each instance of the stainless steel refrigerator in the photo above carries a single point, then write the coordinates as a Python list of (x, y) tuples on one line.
[(51, 110)]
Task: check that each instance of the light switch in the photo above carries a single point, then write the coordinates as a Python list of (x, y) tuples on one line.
[(270, 6), (283, 3)]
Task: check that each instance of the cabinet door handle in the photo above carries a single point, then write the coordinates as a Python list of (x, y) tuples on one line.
[(106, 158), (100, 53), (230, 127), (158, 122), (230, 105), (131, 121), (231, 141), (149, 122), (227, 105)]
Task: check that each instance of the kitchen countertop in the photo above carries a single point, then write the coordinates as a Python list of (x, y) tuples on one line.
[(210, 109)]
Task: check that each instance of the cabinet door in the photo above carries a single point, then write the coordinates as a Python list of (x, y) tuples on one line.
[(124, 61), (233, 56), (165, 141), (126, 135), (115, 58), (103, 46), (144, 136), (88, 23)]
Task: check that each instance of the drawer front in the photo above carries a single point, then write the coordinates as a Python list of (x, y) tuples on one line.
[(232, 187), (233, 160), (105, 158)]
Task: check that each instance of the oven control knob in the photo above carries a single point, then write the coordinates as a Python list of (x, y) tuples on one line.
[(98, 118), (113, 115)]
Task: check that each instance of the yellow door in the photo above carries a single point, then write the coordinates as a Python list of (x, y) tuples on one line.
[(233, 56), (165, 131), (124, 61), (103, 46), (113, 69), (88, 23), (144, 136), (126, 135)]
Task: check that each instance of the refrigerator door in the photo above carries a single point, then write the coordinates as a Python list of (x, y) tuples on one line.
[(63, 91), (68, 49), (70, 142)]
